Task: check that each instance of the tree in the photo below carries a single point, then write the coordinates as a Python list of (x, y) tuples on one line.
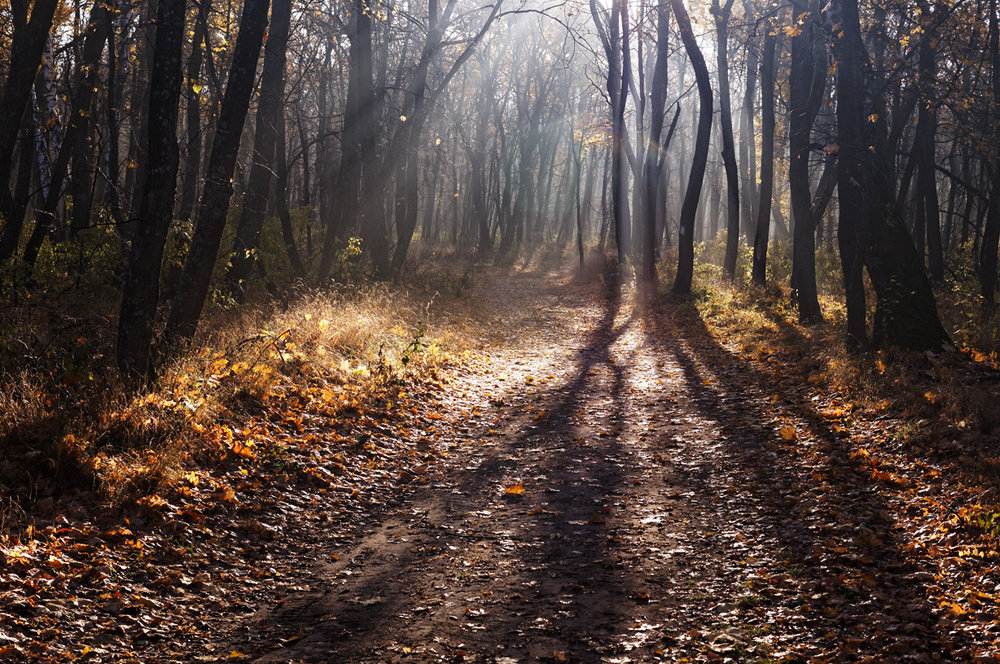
[(721, 15), (658, 98), (762, 230), (200, 262), (871, 232), (244, 254), (805, 92), (76, 140), (617, 89), (141, 284), (27, 44), (685, 242), (991, 232)]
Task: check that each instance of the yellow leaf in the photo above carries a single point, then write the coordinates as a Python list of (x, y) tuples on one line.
[(243, 450), (515, 489), (953, 608), (787, 433), (792, 30)]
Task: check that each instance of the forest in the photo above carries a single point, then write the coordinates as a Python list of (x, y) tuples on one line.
[(501, 331)]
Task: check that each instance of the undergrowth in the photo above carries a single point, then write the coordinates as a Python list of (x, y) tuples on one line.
[(941, 397), (70, 433)]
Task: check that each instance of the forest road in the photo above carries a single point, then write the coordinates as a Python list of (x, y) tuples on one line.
[(664, 516)]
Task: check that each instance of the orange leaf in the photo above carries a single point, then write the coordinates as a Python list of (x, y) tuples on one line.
[(515, 489)]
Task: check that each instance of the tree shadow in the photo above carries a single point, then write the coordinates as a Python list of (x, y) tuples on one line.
[(563, 588), (833, 570)]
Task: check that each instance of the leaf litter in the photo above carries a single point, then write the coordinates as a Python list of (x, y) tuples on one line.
[(676, 500)]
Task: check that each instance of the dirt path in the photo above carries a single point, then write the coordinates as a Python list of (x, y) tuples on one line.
[(664, 517)]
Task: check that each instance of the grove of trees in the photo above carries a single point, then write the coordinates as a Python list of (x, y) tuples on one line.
[(189, 151)]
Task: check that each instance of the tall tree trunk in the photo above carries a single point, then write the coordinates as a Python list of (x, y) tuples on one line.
[(200, 262), (27, 44), (406, 219), (13, 226), (800, 81), (269, 114), (685, 242), (355, 140), (871, 230), (612, 49), (763, 226), (991, 231), (281, 202), (619, 201), (926, 130), (192, 163), (728, 148), (112, 195), (75, 144), (363, 215), (852, 234), (139, 96), (141, 285), (748, 145), (658, 100)]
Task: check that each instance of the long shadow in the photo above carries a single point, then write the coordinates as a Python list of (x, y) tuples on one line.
[(846, 588), (564, 588)]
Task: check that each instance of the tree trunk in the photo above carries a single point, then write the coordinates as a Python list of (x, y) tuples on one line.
[(22, 190), (658, 99), (619, 201), (192, 164), (612, 49), (26, 48), (355, 140), (685, 242), (200, 263), (75, 144), (926, 130), (281, 202), (728, 148), (748, 145), (141, 285), (763, 226), (800, 82), (406, 218), (269, 114), (871, 231), (991, 231)]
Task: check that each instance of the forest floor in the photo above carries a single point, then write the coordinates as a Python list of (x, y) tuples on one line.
[(612, 484)]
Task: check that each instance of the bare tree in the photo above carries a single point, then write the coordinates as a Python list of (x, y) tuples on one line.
[(685, 243)]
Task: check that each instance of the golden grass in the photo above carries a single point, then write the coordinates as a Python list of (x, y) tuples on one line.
[(339, 346), (951, 388)]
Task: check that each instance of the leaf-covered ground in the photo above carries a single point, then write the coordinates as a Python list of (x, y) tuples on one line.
[(613, 484)]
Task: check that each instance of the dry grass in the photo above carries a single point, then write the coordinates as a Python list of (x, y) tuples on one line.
[(951, 390), (92, 440)]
